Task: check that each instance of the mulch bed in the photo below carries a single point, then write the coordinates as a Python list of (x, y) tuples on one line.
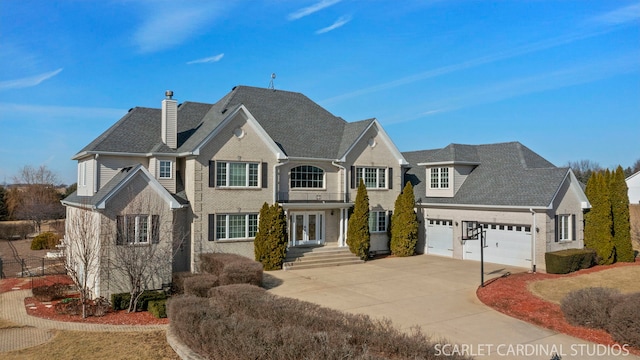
[(510, 295), (47, 310)]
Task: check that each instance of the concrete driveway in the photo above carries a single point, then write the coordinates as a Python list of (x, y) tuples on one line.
[(437, 294)]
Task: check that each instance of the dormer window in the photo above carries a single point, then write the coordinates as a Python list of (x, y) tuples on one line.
[(439, 178), (165, 169)]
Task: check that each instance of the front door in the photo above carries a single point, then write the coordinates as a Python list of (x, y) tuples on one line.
[(307, 228)]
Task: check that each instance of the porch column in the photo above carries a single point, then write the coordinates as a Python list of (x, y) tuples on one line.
[(343, 227)]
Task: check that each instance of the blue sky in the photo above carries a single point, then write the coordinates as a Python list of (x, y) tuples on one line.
[(562, 77)]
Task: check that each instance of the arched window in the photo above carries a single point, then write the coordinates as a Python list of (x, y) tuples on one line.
[(307, 176)]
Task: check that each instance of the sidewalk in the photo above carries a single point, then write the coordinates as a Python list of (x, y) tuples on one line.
[(35, 331)]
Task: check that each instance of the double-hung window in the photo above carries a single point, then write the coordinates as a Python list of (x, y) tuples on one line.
[(374, 178), (565, 228), (234, 226), (236, 174), (377, 221), (439, 178), (137, 229), (164, 169)]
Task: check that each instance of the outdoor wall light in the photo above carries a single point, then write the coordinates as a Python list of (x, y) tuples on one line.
[(456, 223)]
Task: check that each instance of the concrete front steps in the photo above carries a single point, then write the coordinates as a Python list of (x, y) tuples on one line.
[(318, 256)]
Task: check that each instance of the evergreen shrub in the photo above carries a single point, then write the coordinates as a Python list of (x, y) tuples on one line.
[(158, 308), (570, 260), (46, 240), (358, 235), (404, 224), (270, 244)]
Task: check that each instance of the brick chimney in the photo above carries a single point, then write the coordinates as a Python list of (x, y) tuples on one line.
[(170, 120)]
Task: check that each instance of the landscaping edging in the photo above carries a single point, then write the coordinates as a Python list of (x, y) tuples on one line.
[(182, 350)]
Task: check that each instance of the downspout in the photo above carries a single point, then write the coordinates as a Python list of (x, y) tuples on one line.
[(275, 180), (343, 222), (533, 241), (95, 174)]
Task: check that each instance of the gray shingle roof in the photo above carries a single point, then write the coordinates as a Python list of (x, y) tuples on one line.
[(509, 174), (298, 125)]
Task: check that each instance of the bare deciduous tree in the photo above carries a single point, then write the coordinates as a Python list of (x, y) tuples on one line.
[(36, 199), (143, 245), (583, 169), (82, 250)]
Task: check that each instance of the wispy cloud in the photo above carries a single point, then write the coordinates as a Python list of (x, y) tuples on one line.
[(210, 59), (620, 16), (312, 9), (19, 110), (536, 83), (28, 81), (604, 28), (337, 24), (168, 23)]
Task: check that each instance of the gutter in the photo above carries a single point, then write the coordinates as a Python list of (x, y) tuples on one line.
[(275, 180), (533, 241)]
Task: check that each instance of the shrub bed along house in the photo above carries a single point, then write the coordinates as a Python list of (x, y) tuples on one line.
[(247, 322), (232, 268), (49, 292), (120, 301), (570, 260)]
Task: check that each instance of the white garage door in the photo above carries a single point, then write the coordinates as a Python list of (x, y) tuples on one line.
[(505, 244), (439, 237)]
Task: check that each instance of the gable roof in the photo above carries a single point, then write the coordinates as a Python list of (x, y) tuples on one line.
[(300, 127), (507, 174), (119, 181)]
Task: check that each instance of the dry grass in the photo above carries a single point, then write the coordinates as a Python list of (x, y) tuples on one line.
[(149, 345), (623, 278)]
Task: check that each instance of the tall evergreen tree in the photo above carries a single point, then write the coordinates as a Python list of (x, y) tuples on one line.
[(404, 224), (358, 236), (270, 244), (4, 211), (620, 212), (598, 221)]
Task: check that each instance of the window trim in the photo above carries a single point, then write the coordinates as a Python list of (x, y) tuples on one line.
[(361, 172), (160, 162), (378, 216), (124, 225), (565, 223), (251, 221), (321, 180), (439, 178), (247, 174)]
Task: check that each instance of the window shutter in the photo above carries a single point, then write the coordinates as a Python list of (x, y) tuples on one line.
[(265, 175), (119, 230), (353, 177), (573, 227), (155, 229), (390, 179), (212, 173), (557, 229), (212, 227)]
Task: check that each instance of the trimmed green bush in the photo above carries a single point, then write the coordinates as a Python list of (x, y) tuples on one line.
[(358, 236), (46, 240), (200, 284), (270, 244), (590, 307), (148, 296), (120, 301), (158, 308), (404, 224), (570, 260), (624, 325)]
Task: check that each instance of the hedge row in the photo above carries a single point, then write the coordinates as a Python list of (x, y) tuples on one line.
[(566, 261), (121, 301), (15, 230), (607, 309), (232, 268), (246, 322)]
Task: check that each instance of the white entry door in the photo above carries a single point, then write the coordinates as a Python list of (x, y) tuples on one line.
[(307, 228)]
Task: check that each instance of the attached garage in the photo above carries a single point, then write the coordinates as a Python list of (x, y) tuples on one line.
[(505, 244), (439, 237)]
